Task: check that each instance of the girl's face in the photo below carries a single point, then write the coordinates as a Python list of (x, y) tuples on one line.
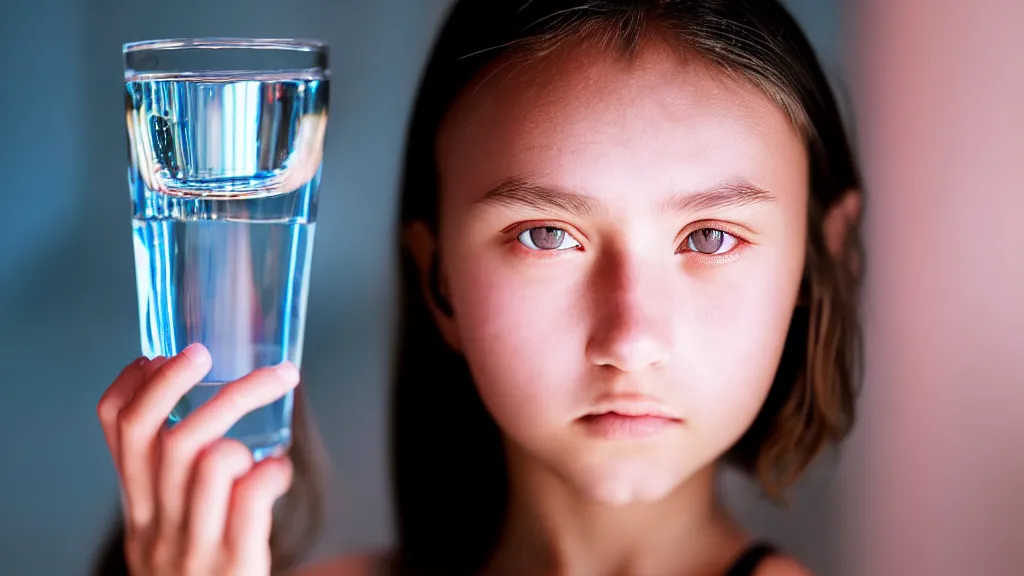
[(623, 245)]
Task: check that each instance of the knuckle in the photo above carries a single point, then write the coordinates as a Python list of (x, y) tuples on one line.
[(247, 493), (234, 400), (139, 524), (128, 421), (254, 494), (135, 527), (107, 410), (177, 444), (222, 457)]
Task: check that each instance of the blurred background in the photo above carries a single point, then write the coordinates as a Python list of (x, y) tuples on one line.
[(928, 485)]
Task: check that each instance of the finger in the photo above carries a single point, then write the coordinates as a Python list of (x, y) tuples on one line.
[(152, 366), (148, 370), (251, 513), (114, 399), (218, 467), (210, 422), (140, 421)]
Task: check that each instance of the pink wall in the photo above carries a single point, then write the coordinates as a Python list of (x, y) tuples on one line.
[(937, 481)]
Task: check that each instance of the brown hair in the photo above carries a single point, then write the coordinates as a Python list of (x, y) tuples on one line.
[(449, 475)]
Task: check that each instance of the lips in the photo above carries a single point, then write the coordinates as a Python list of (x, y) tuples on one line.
[(628, 418), (615, 426), (632, 405)]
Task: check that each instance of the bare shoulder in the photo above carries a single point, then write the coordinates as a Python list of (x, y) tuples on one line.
[(355, 565), (781, 565)]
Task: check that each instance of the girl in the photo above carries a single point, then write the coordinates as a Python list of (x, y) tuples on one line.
[(630, 244)]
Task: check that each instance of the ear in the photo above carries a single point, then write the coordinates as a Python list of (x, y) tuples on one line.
[(840, 221), (422, 244)]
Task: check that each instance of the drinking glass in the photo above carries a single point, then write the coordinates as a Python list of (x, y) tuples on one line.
[(225, 142)]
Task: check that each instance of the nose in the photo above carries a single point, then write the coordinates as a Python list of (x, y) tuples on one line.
[(632, 304)]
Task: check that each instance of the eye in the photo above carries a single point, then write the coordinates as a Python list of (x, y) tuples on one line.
[(547, 238), (710, 241)]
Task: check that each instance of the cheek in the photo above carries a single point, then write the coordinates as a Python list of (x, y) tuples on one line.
[(735, 337), (522, 334)]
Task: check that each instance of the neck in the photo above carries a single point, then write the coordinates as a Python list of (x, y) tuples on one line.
[(552, 528)]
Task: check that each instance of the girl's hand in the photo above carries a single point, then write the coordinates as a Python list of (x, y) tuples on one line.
[(194, 502)]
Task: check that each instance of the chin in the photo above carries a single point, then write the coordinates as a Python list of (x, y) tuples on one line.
[(620, 486), (624, 493)]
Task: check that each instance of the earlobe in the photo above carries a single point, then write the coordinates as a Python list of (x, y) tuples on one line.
[(839, 224), (422, 244)]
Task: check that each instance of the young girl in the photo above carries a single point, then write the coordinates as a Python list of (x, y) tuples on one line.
[(631, 252)]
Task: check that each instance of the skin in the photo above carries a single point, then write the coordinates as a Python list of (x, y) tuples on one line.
[(625, 312)]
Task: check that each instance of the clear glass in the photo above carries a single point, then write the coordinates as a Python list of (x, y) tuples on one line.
[(225, 142)]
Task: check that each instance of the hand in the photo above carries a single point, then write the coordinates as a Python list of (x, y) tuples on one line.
[(194, 502)]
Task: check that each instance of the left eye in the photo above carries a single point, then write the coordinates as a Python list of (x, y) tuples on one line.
[(710, 241), (547, 238)]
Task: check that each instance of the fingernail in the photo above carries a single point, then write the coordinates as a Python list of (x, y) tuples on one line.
[(196, 351)]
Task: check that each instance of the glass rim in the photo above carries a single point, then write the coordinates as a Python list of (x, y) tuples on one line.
[(221, 42)]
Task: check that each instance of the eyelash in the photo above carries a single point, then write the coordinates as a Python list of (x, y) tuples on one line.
[(523, 231)]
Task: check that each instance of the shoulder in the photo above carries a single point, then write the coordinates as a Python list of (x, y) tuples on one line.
[(781, 565), (355, 565)]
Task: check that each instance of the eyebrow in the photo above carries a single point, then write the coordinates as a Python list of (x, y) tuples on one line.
[(733, 194), (523, 193)]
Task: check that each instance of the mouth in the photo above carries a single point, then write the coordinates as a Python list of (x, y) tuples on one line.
[(628, 419), (632, 406)]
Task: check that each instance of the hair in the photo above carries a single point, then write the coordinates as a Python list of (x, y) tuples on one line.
[(452, 470)]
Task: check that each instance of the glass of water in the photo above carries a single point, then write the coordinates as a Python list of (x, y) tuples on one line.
[(225, 141)]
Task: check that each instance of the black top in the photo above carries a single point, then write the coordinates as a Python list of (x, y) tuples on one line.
[(750, 559)]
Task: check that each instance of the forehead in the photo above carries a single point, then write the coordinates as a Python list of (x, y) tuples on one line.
[(657, 123)]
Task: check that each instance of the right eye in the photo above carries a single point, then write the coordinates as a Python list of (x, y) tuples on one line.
[(546, 238)]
